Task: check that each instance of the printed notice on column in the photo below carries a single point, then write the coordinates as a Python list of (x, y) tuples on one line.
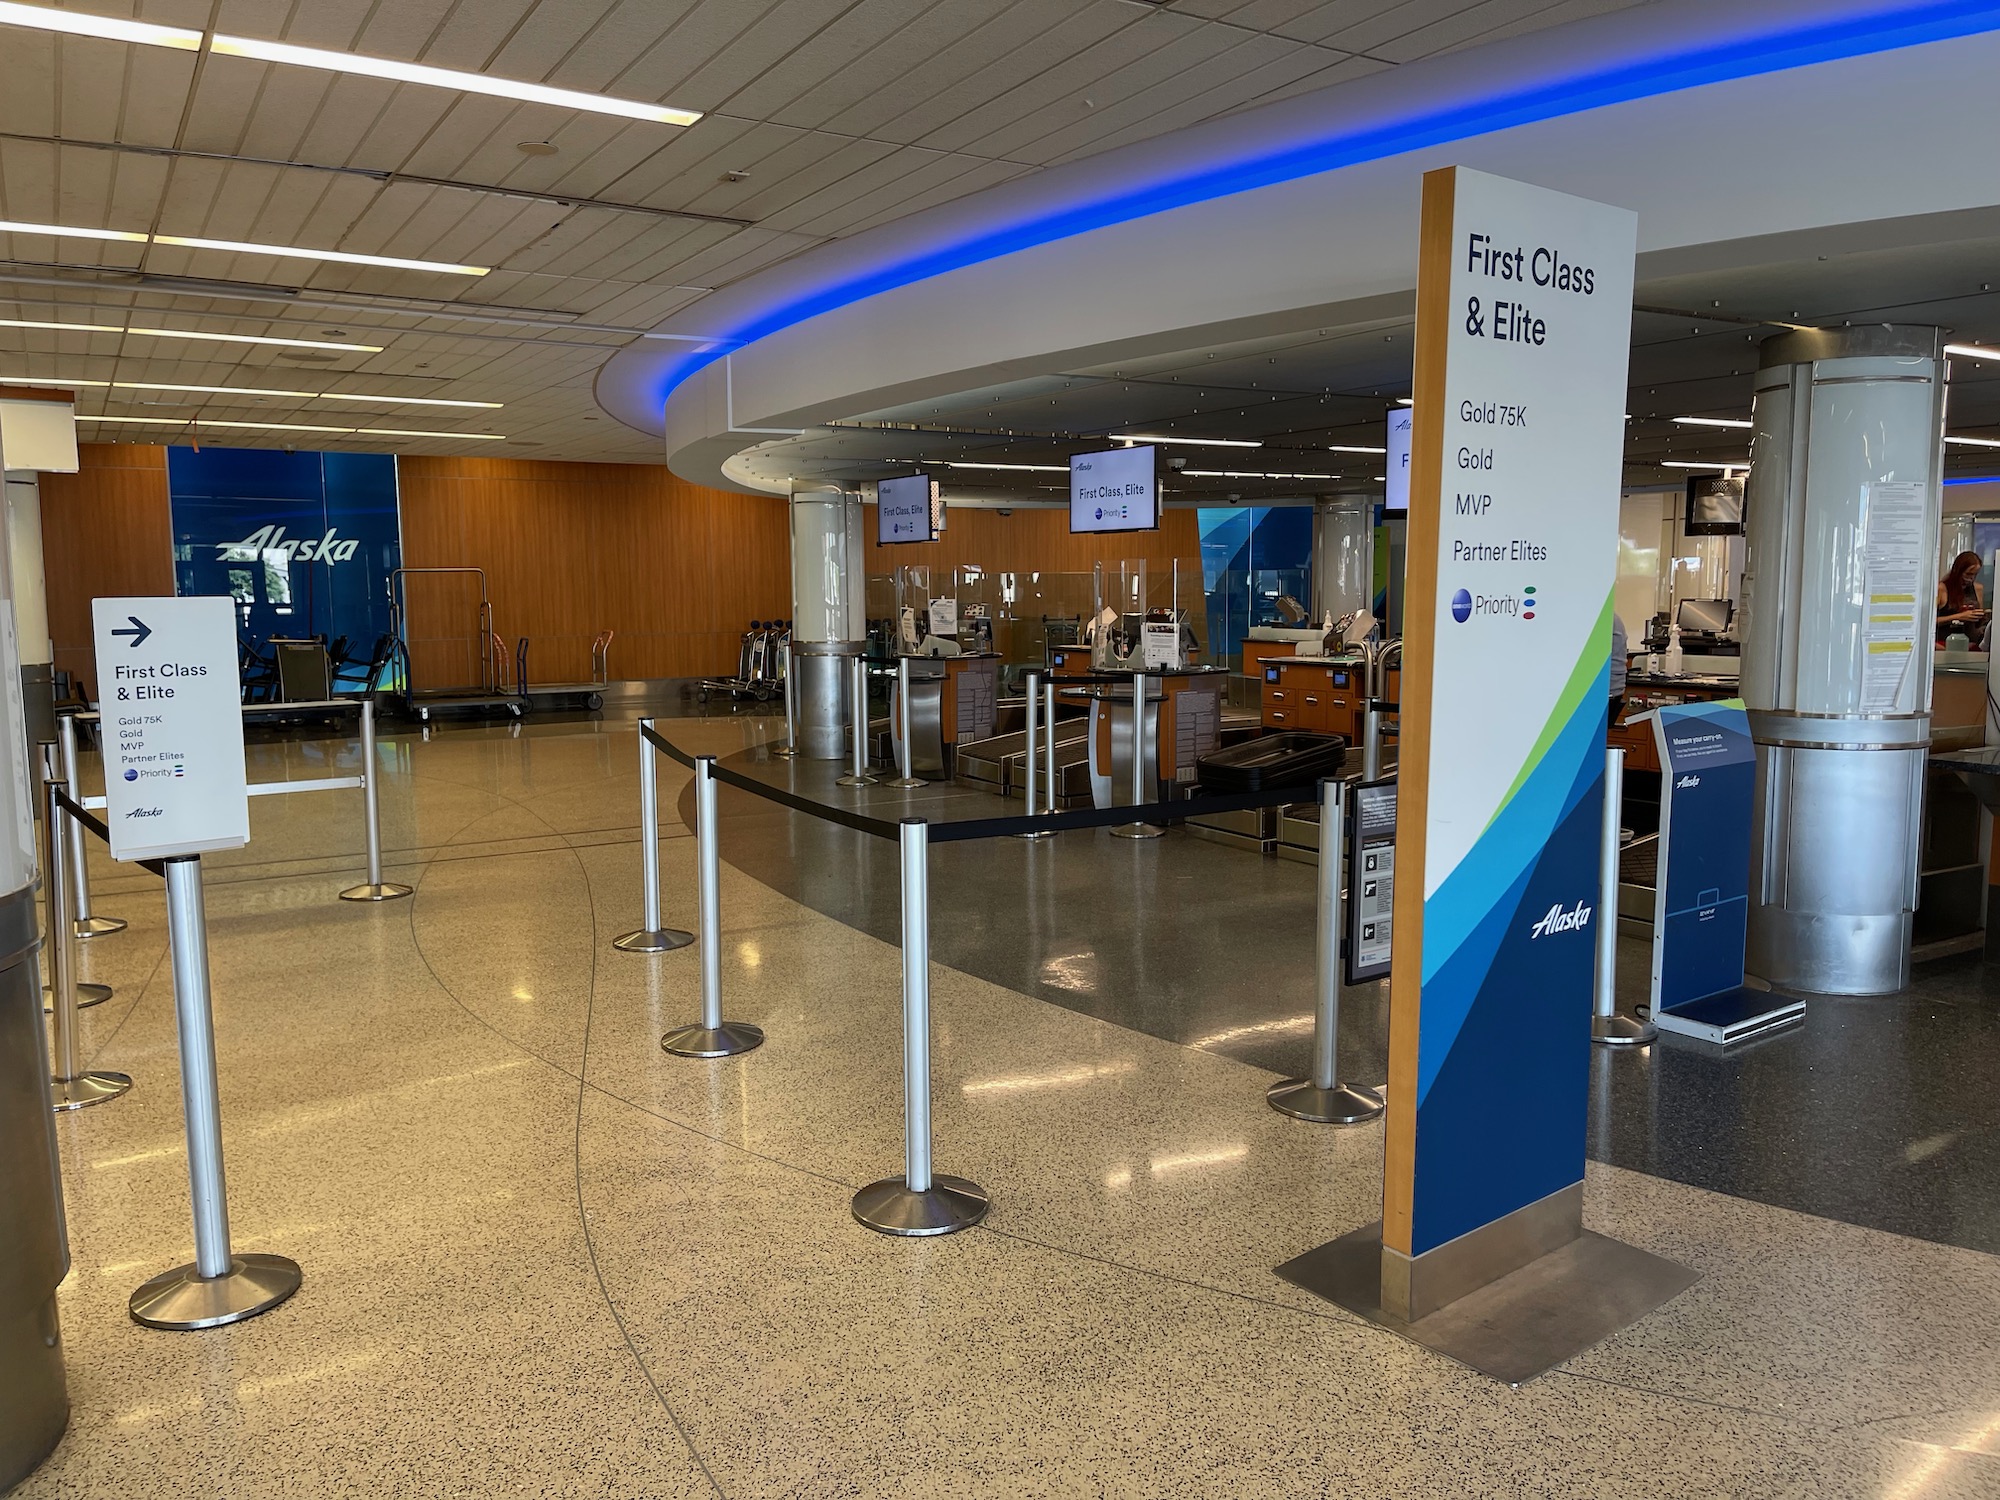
[(1894, 558)]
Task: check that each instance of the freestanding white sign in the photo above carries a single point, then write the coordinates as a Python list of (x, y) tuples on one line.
[(173, 726)]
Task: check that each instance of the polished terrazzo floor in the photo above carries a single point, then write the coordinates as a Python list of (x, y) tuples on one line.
[(543, 1258)]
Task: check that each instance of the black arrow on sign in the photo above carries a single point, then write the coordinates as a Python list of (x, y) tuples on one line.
[(138, 634)]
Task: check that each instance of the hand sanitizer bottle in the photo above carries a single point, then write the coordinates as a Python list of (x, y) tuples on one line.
[(1674, 655)]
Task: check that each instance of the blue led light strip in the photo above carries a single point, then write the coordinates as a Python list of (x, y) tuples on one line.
[(1699, 63)]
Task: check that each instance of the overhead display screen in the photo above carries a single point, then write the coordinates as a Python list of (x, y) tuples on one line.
[(905, 509), (1397, 475), (1114, 491)]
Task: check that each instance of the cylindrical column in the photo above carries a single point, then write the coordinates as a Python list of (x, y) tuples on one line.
[(1371, 744), (1032, 764), (921, 1201), (711, 1036), (651, 936), (1607, 1025), (1139, 790), (1843, 519), (790, 748), (219, 1287), (857, 725), (71, 1085), (1343, 556), (87, 925), (829, 620), (1051, 786), (1323, 1099), (375, 888), (908, 780)]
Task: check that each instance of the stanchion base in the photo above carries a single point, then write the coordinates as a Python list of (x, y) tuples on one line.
[(951, 1204), (87, 995), (785, 752), (726, 1040), (1138, 831), (1045, 833), (906, 783), (1343, 1104), (180, 1299), (384, 890), (96, 927), (1621, 1031), (850, 779), (658, 940), (87, 1089)]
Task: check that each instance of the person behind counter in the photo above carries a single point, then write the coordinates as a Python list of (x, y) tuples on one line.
[(1961, 604)]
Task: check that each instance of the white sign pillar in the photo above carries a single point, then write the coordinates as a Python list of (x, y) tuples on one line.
[(173, 726)]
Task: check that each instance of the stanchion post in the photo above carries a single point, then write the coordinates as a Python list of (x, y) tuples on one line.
[(1323, 1098), (711, 1036), (1034, 736), (920, 1201), (857, 722), (908, 780), (1139, 797), (790, 749), (375, 888), (1049, 781), (71, 1086), (219, 1287), (1371, 744), (1608, 1027), (87, 925), (651, 936)]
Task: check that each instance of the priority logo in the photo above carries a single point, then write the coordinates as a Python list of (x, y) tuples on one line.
[(1461, 606), (1529, 603)]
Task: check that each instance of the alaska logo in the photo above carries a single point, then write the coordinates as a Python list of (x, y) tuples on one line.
[(1574, 920), (146, 812), (1687, 781), (329, 549)]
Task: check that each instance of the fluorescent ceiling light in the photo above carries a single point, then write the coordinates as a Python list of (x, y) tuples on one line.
[(394, 262), (1965, 442), (243, 247), (448, 78), (1713, 421), (1405, 401), (200, 422), (1246, 474), (189, 333), (44, 380), (1972, 351), (244, 390), (247, 390), (1148, 437), (1339, 448), (64, 231), (76, 23), (1673, 463), (43, 18), (1023, 468)]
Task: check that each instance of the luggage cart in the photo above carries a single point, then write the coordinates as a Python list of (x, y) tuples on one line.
[(760, 664), (489, 693), (572, 695)]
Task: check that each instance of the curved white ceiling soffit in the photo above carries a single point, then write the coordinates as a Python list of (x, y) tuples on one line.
[(1721, 123)]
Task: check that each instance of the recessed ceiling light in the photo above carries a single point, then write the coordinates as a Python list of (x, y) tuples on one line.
[(1338, 448), (1023, 468), (43, 18), (1246, 474), (1193, 442), (9, 226), (536, 148), (1674, 463), (199, 422), (1972, 351), (1713, 421), (187, 333), (1971, 442)]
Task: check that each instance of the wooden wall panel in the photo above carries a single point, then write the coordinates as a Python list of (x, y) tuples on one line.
[(107, 530), (571, 549)]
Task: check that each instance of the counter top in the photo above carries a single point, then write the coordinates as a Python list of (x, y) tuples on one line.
[(1662, 680)]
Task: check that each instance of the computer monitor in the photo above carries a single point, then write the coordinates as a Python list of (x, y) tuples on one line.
[(1714, 505), (1115, 491), (905, 510), (1704, 616)]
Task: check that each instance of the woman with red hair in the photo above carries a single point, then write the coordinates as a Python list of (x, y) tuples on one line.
[(1961, 606)]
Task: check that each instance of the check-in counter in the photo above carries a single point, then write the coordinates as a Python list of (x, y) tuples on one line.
[(1316, 695), (954, 700), (1181, 722)]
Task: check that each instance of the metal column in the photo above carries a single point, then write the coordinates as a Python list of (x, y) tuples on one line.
[(1139, 797), (651, 936), (908, 780), (87, 925), (375, 888), (70, 1085), (857, 724)]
